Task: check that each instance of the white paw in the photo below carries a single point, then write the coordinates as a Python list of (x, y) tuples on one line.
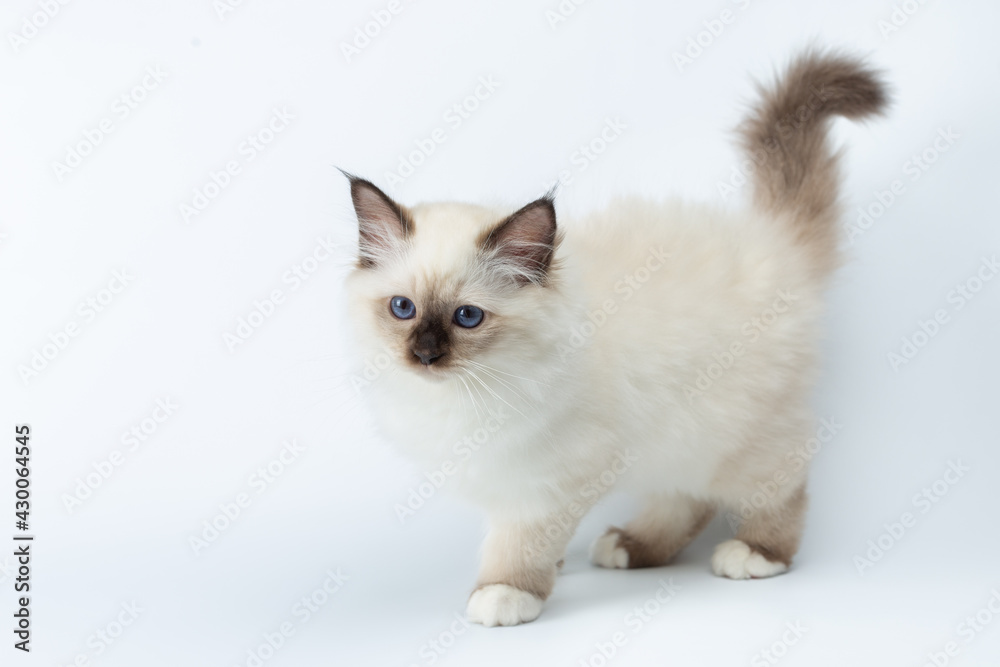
[(736, 560), (500, 604), (605, 552)]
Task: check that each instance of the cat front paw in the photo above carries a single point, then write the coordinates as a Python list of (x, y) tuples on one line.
[(500, 604)]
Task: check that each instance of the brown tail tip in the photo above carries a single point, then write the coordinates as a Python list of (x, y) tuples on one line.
[(844, 84), (786, 137)]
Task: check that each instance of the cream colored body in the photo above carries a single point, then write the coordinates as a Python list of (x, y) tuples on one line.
[(669, 352)]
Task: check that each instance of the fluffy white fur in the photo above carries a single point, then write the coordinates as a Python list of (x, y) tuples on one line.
[(669, 353), (570, 408)]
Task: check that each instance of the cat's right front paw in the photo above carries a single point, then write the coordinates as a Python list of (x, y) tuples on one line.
[(500, 604)]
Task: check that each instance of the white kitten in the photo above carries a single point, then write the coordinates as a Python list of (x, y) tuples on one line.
[(664, 349)]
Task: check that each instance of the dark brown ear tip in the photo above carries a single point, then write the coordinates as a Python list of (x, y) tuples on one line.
[(357, 183), (350, 176), (550, 196), (362, 186), (546, 202)]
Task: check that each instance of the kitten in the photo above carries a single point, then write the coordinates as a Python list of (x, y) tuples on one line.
[(665, 349)]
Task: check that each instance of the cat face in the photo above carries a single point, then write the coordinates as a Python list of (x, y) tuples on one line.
[(445, 287)]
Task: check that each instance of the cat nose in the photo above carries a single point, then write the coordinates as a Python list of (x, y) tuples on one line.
[(429, 342), (428, 357)]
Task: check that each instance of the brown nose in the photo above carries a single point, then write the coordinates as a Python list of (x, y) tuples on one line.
[(428, 357), (429, 341)]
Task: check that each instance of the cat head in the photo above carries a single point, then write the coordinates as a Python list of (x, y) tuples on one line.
[(445, 288)]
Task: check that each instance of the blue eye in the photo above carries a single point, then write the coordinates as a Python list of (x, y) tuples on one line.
[(468, 316), (402, 307)]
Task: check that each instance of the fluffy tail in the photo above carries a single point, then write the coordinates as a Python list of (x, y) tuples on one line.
[(796, 173)]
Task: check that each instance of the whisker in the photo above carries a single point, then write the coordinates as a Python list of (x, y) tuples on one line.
[(497, 370), (517, 391), (520, 393), (482, 398), (495, 394), (471, 398), (503, 382)]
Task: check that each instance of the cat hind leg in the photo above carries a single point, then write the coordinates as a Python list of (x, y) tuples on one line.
[(666, 525), (766, 540)]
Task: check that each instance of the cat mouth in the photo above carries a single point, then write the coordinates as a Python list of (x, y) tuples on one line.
[(436, 372)]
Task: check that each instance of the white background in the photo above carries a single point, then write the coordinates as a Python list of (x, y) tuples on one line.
[(333, 506)]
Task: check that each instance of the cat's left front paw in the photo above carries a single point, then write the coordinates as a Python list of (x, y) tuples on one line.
[(500, 604)]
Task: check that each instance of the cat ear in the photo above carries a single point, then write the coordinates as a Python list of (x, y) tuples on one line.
[(526, 241), (383, 225)]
